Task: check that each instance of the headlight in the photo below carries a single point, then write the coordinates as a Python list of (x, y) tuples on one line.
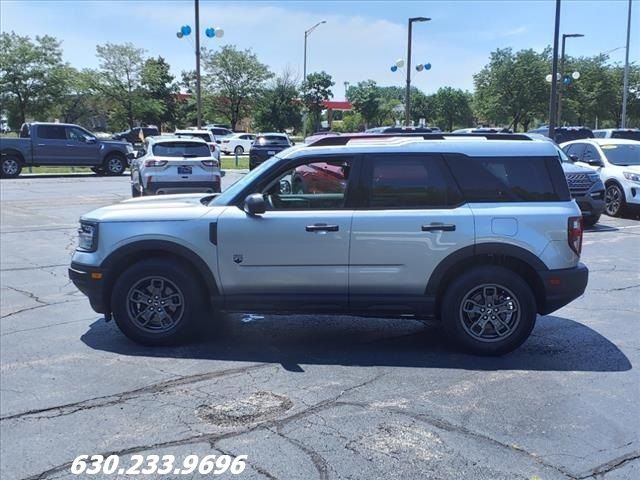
[(593, 177), (634, 177), (88, 236)]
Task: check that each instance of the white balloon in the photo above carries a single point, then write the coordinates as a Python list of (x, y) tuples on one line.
[(548, 78), (575, 75), (219, 33), (399, 63)]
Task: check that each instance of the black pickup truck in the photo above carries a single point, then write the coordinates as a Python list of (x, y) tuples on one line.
[(62, 145)]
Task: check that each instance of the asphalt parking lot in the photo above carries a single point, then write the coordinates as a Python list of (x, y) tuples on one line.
[(309, 397)]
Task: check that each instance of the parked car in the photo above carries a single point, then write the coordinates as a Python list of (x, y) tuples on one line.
[(565, 134), (585, 185), (617, 161), (483, 130), (205, 135), (480, 234), (219, 132), (137, 134), (265, 146), (627, 133), (174, 165), (62, 145), (399, 130), (238, 143)]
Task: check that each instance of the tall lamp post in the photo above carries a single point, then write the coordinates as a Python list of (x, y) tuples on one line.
[(304, 71), (564, 39), (407, 113), (553, 108), (625, 92)]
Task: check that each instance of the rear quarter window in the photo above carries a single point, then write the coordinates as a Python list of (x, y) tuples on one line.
[(509, 179)]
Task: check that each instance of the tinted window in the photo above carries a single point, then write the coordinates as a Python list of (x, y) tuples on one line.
[(272, 140), (626, 154), (221, 131), (576, 149), (410, 182), (600, 134), (24, 131), (507, 179), (204, 136), (628, 134), (181, 149), (590, 153), (150, 131), (52, 132), (75, 133)]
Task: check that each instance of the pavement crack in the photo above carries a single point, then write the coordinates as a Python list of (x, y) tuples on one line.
[(108, 400), (610, 465), (32, 296)]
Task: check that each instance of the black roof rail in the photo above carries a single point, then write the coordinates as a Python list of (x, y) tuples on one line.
[(345, 138)]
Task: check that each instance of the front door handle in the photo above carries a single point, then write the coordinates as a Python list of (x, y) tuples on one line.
[(322, 227), (439, 227)]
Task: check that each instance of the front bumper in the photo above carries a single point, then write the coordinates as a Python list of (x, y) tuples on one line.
[(632, 193), (561, 287), (90, 281)]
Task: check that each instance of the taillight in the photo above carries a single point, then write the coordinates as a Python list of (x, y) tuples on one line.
[(155, 163), (574, 232), (209, 163), (212, 147)]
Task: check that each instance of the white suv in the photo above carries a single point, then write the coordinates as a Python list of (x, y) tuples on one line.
[(174, 165), (477, 231), (618, 163)]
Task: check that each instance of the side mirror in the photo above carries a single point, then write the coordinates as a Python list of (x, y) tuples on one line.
[(132, 155), (573, 157), (293, 143), (90, 140), (595, 162), (254, 204)]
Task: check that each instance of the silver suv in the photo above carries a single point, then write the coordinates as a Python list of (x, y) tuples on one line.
[(478, 231)]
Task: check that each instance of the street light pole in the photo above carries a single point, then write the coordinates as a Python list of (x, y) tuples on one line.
[(625, 92), (554, 76), (407, 94), (304, 70), (198, 88), (564, 39)]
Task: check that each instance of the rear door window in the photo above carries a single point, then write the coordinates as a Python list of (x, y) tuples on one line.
[(52, 132), (409, 181), (509, 179), (590, 154)]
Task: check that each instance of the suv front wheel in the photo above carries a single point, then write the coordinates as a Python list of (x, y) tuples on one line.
[(156, 302), (488, 311)]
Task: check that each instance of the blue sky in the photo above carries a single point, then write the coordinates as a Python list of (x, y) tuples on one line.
[(360, 40)]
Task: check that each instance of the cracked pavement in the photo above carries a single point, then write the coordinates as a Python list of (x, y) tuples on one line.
[(308, 396)]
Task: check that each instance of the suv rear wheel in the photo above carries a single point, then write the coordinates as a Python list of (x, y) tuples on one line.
[(156, 302), (488, 311)]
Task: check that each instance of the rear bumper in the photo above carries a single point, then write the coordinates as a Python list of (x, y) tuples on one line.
[(561, 287), (156, 188), (85, 278)]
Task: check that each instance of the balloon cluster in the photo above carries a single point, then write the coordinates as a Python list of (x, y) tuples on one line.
[(566, 79), (400, 63), (185, 31)]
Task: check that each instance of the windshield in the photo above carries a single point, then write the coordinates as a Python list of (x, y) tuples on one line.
[(181, 149), (237, 187), (622, 154)]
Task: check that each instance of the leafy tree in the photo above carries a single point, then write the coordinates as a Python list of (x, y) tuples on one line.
[(512, 88), (453, 107), (236, 78), (365, 97), (280, 107), (30, 75), (119, 79), (79, 102), (160, 88), (316, 90)]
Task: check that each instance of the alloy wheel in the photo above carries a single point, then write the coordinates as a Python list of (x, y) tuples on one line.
[(490, 313)]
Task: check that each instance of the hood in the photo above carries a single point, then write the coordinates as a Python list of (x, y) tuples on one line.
[(157, 208), (573, 168), (630, 168)]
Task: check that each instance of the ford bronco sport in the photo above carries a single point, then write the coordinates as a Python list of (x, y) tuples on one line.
[(478, 231)]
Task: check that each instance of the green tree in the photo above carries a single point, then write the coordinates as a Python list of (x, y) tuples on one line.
[(453, 107), (160, 89), (119, 79), (512, 89), (365, 97), (279, 108), (79, 102), (30, 75), (236, 79), (317, 90)]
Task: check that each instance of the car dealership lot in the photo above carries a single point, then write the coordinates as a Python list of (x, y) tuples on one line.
[(308, 397)]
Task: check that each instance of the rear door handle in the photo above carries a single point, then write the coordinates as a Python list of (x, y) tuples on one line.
[(322, 227), (439, 227)]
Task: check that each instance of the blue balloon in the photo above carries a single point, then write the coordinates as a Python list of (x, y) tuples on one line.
[(186, 30), (394, 68), (567, 80), (210, 32), (427, 66)]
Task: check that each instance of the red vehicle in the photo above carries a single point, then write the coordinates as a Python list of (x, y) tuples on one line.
[(319, 178)]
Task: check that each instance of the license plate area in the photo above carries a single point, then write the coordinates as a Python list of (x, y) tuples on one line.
[(271, 152), (184, 170)]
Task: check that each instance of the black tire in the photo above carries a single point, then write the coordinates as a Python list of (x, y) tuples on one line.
[(134, 191), (98, 171), (238, 150), (114, 165), (615, 201), (590, 221), (515, 296), (10, 166), (155, 281)]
